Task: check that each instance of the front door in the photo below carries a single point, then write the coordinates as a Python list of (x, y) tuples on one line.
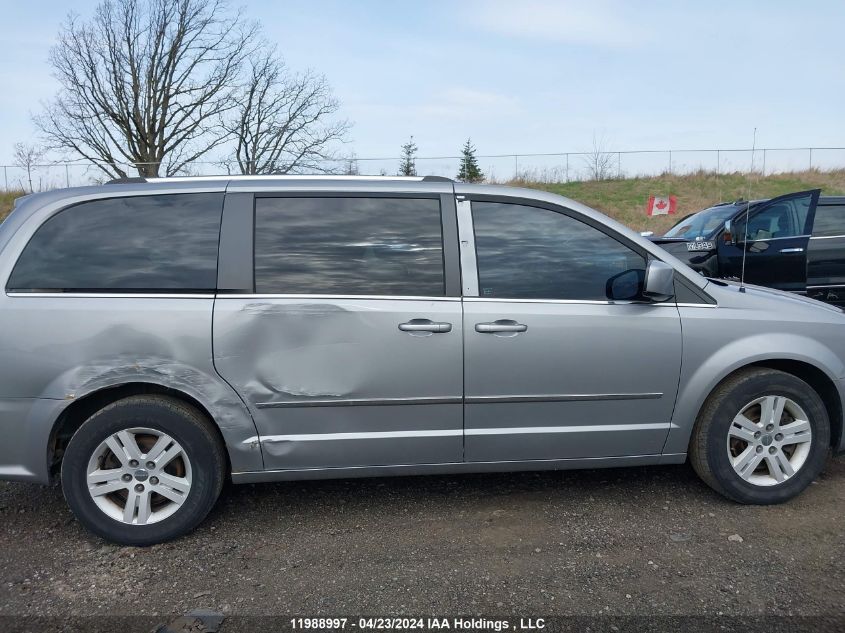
[(557, 366), (349, 350), (775, 242)]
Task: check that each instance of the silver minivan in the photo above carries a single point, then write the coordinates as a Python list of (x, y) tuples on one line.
[(158, 337)]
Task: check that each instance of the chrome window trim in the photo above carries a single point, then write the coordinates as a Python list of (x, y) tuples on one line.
[(774, 239), (112, 295), (561, 301), (821, 286), (187, 295), (665, 304), (825, 237), (343, 297)]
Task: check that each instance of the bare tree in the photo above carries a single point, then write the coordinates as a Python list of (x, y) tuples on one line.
[(284, 121), (145, 83), (350, 167), (28, 156), (599, 160)]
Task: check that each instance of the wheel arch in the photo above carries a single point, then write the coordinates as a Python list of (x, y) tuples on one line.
[(681, 435), (77, 412)]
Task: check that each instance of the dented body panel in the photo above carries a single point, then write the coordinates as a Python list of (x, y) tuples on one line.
[(341, 367), (66, 348)]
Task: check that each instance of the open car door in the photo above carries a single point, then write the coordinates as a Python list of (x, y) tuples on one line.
[(774, 237)]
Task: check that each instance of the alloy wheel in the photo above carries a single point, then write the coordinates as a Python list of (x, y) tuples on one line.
[(769, 440), (139, 476)]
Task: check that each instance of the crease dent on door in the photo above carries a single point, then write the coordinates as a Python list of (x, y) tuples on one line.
[(321, 374)]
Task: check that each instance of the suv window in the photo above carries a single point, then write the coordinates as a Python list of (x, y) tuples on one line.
[(532, 253), (830, 220), (349, 246), (783, 219), (135, 244)]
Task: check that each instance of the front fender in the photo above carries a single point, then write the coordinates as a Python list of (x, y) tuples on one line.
[(702, 371)]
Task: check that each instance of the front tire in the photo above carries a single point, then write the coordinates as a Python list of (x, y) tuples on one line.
[(761, 438), (143, 470)]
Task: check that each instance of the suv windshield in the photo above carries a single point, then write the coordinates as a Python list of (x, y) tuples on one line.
[(703, 224)]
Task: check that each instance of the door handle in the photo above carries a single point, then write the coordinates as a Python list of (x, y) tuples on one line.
[(425, 325), (502, 325), (792, 250)]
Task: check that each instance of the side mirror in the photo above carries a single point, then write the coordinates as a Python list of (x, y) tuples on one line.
[(659, 284), (625, 286)]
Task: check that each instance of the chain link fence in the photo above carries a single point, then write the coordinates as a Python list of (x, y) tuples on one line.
[(550, 167)]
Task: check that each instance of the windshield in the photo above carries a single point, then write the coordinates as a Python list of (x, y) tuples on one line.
[(702, 224)]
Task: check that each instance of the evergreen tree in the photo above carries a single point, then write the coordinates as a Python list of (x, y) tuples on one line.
[(408, 164), (469, 170)]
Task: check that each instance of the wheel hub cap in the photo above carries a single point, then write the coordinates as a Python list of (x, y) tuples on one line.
[(133, 495), (769, 440)]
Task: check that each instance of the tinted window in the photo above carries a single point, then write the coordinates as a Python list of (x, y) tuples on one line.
[(348, 246), (781, 219), (146, 243), (830, 220), (531, 253)]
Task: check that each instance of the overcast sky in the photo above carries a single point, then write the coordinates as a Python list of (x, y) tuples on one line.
[(527, 76)]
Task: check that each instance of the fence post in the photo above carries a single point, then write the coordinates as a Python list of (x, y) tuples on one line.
[(67, 175), (619, 164), (811, 158), (718, 162), (515, 166), (764, 162), (670, 161), (567, 167)]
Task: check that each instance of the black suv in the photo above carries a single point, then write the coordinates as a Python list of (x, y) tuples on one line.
[(794, 242)]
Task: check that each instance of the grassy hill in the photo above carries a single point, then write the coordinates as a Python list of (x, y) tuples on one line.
[(7, 199), (625, 199)]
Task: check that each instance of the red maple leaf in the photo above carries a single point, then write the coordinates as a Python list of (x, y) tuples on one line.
[(661, 204)]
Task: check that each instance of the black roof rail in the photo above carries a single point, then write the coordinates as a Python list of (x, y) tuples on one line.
[(126, 181), (436, 179)]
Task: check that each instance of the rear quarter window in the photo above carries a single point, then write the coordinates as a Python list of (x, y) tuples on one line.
[(154, 243)]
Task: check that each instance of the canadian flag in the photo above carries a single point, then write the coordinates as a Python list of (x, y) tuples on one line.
[(661, 205)]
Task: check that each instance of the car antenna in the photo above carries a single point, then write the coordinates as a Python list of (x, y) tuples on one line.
[(747, 207)]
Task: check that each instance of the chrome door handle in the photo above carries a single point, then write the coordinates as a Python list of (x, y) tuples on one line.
[(792, 250), (502, 325), (425, 325)]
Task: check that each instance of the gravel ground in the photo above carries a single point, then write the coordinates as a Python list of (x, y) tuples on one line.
[(640, 541)]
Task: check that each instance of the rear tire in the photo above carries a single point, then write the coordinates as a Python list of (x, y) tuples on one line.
[(761, 437), (143, 470)]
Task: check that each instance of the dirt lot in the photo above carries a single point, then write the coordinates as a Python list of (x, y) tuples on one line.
[(609, 542)]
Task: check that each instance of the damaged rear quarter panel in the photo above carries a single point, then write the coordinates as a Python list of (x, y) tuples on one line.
[(64, 348)]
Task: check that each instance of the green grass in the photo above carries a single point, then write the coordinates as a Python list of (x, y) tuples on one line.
[(7, 199), (625, 199)]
